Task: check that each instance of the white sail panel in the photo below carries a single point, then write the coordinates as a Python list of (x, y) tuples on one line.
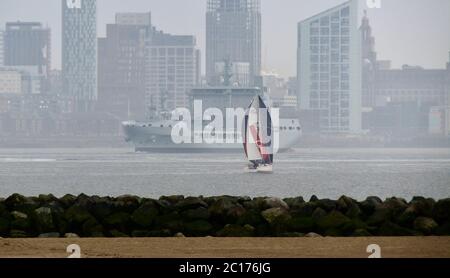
[(253, 153)]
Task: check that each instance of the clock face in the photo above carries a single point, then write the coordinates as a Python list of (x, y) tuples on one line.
[(73, 4)]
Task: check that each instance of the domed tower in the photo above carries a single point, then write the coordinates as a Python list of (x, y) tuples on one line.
[(369, 63)]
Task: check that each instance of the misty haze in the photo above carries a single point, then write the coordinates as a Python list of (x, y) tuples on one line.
[(357, 96)]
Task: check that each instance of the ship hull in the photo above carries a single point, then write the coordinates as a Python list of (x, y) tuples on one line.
[(155, 137)]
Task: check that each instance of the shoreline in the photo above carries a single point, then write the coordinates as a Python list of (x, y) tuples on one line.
[(232, 248), (47, 216)]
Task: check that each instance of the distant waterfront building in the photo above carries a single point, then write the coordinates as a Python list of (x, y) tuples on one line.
[(79, 52), (173, 69), (28, 44), (274, 85), (31, 82), (121, 66), (10, 81), (55, 82), (2, 47), (329, 68), (412, 84), (134, 19), (292, 85), (233, 33)]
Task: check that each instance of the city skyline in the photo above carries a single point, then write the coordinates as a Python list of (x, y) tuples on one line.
[(278, 48)]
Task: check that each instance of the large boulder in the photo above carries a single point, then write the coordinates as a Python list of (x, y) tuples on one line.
[(20, 221), (222, 206), (195, 214), (92, 228), (425, 225), (270, 215), (77, 215), (334, 220), (275, 203), (18, 234), (368, 206), (191, 203), (251, 217), (301, 224), (327, 204), (396, 206), (318, 213), (17, 202), (305, 209), (172, 221), (4, 226), (145, 214), (101, 207), (313, 199), (198, 228), (294, 203), (226, 210), (43, 219), (353, 211), (380, 215), (126, 203), (232, 230), (2, 208), (172, 199), (313, 235), (344, 202), (49, 235), (443, 229), (422, 206), (441, 211), (67, 200), (119, 220), (391, 229), (45, 199)]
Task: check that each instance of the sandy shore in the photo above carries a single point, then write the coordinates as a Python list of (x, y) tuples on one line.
[(394, 247)]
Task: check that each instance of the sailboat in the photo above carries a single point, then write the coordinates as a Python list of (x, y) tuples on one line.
[(258, 137)]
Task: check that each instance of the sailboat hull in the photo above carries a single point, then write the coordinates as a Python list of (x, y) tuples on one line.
[(265, 169)]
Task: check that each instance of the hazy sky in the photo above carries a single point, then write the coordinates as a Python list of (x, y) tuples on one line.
[(407, 31)]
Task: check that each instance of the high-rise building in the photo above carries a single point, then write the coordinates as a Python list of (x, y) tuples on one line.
[(79, 52), (233, 34), (2, 47), (172, 71), (28, 44), (369, 63), (121, 66), (329, 68)]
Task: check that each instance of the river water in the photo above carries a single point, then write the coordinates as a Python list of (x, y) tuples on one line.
[(327, 173)]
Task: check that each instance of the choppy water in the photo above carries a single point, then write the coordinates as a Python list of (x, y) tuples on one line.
[(327, 173)]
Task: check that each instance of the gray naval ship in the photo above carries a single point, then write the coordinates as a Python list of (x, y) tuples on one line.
[(156, 135)]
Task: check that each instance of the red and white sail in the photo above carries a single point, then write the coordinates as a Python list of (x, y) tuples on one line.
[(257, 133)]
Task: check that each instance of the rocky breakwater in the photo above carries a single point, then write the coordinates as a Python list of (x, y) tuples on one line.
[(225, 216)]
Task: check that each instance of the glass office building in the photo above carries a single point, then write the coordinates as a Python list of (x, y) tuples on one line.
[(79, 52), (233, 34), (329, 68)]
